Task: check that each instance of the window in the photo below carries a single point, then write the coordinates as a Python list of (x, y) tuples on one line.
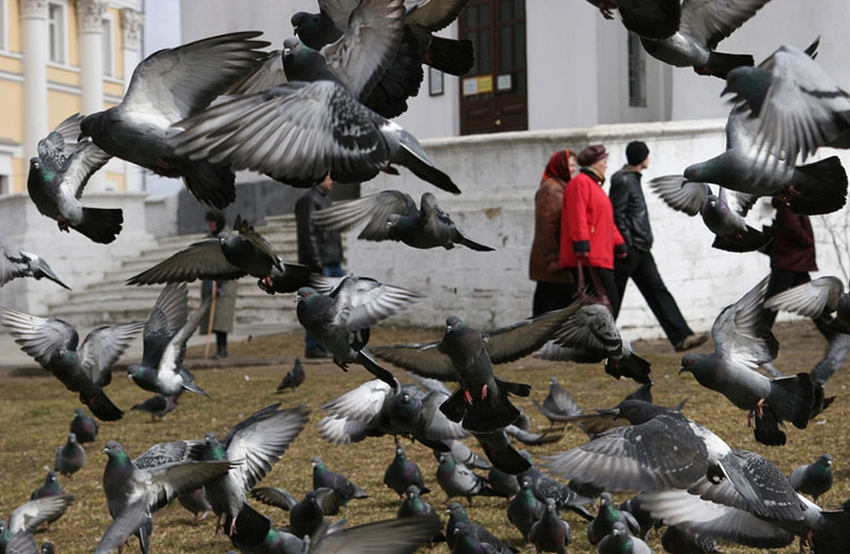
[(56, 30), (637, 72), (5, 187), (107, 44), (3, 31)]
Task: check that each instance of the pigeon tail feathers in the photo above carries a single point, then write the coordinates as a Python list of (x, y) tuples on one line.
[(102, 407), (455, 57), (820, 187), (101, 225), (211, 184), (792, 399), (720, 64)]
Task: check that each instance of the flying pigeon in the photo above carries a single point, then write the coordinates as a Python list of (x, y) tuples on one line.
[(458, 480), (402, 473), (340, 320), (255, 534), (621, 541), (524, 509), (166, 332), (31, 515), (836, 353), (656, 19), (70, 457), (299, 132), (550, 533), (84, 369), (58, 176), (394, 536), (393, 215), (728, 224), (704, 23), (606, 517), (196, 502), (743, 342), (167, 87), (16, 263), (254, 444), (84, 426), (813, 479), (824, 295), (157, 406), (465, 355), (337, 482)]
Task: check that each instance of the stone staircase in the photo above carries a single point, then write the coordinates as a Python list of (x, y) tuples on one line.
[(110, 300)]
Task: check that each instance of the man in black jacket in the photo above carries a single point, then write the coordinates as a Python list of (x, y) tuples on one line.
[(632, 219), (317, 247)]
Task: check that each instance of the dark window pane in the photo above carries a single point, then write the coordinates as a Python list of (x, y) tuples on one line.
[(519, 9), (484, 14), (519, 45), (505, 48), (506, 10), (473, 36), (483, 53), (471, 16)]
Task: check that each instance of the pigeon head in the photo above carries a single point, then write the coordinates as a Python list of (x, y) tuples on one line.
[(213, 449), (115, 451), (315, 29), (526, 482), (553, 381), (456, 510), (750, 84), (405, 409), (317, 462), (412, 491), (302, 63), (637, 411), (694, 363)]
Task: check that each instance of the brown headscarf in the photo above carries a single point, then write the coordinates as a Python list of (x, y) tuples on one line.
[(558, 166)]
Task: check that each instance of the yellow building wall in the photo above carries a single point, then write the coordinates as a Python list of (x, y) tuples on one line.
[(11, 118), (19, 175), (13, 41)]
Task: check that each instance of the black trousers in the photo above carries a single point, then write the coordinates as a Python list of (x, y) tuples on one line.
[(606, 279), (639, 266), (552, 296)]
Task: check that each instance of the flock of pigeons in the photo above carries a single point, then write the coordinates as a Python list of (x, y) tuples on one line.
[(323, 105)]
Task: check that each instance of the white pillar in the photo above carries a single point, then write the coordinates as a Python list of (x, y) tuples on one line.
[(132, 22), (35, 55), (90, 33)]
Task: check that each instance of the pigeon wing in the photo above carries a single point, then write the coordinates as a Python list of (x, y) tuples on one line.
[(688, 197), (200, 260), (511, 343), (433, 15), (39, 337), (710, 21), (362, 403), (395, 536), (103, 346), (274, 496), (375, 209), (168, 315), (422, 359), (809, 299), (739, 334), (370, 301), (31, 515)]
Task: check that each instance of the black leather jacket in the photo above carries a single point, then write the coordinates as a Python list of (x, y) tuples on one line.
[(317, 247), (630, 214)]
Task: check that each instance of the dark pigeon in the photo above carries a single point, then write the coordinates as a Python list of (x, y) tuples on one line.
[(524, 509), (58, 176), (255, 534), (642, 516), (84, 426), (337, 482), (458, 517), (814, 479), (70, 457), (305, 516), (157, 406), (656, 19), (550, 533), (401, 473), (621, 541), (394, 536), (51, 487), (16, 263), (677, 540), (458, 480), (565, 497), (167, 87), (294, 378), (413, 506), (393, 215), (606, 517), (195, 501), (83, 368)]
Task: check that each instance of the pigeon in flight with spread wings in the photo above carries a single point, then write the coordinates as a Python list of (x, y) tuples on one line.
[(656, 19), (16, 263)]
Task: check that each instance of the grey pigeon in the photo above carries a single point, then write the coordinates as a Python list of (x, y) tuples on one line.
[(165, 335), (196, 502), (16, 263), (226, 257), (58, 176), (157, 406), (524, 509), (606, 517), (458, 517), (51, 487), (337, 482), (305, 516), (402, 472), (704, 23), (135, 488), (742, 342), (84, 426), (655, 19), (83, 368), (168, 86), (70, 457), (558, 403), (22, 542), (836, 353), (466, 355), (393, 215), (458, 480), (795, 105), (31, 515), (677, 540), (550, 533), (813, 479), (824, 295), (621, 541), (299, 132), (545, 487), (255, 444), (340, 320), (641, 514), (728, 225), (294, 378)]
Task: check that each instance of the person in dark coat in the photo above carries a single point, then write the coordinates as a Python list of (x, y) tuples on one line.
[(632, 219), (317, 247), (225, 300), (555, 286)]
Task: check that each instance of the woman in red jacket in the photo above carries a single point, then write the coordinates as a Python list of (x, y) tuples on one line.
[(588, 231)]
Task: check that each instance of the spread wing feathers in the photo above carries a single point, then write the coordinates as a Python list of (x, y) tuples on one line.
[(434, 15), (342, 430), (103, 346), (274, 496), (438, 427), (31, 515), (258, 241), (200, 260), (39, 337), (713, 20), (395, 536), (367, 300), (592, 329), (22, 542), (739, 334), (361, 403), (521, 339), (170, 453), (169, 314), (131, 518), (260, 441), (375, 209), (295, 133), (422, 359), (62, 151), (688, 198), (268, 75), (184, 80), (628, 458), (809, 299), (175, 350)]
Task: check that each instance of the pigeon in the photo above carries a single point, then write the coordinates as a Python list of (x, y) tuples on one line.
[(256, 443), (471, 538), (812, 189), (84, 426), (294, 378), (742, 342), (305, 516), (337, 482), (795, 105), (58, 176), (166, 332), (22, 542), (299, 132), (550, 533), (813, 479), (51, 487), (458, 517), (641, 514), (31, 515), (621, 541), (824, 295), (590, 335), (412, 504), (677, 540), (70, 457), (836, 353), (558, 403), (166, 87), (394, 536), (157, 406), (196, 502), (85, 369), (732, 234), (135, 488), (393, 215), (340, 319), (655, 19), (545, 487), (458, 480), (255, 534), (16, 263), (608, 515), (227, 257), (401, 473), (524, 509), (465, 355), (704, 23)]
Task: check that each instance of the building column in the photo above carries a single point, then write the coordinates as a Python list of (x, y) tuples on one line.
[(33, 16), (132, 22), (90, 34)]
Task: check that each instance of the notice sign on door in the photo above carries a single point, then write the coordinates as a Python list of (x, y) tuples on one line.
[(480, 84)]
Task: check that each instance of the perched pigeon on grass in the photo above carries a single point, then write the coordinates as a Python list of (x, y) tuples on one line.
[(58, 176), (401, 473), (677, 540), (606, 517), (458, 517), (196, 502), (70, 457), (157, 406), (458, 480), (84, 426), (550, 533), (294, 378), (337, 482), (305, 516), (16, 263), (83, 368), (813, 479), (621, 541), (524, 510)]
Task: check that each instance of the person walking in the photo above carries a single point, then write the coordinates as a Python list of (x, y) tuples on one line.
[(224, 309), (632, 219), (317, 247), (555, 286)]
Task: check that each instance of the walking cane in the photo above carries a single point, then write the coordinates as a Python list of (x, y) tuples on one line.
[(212, 319)]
